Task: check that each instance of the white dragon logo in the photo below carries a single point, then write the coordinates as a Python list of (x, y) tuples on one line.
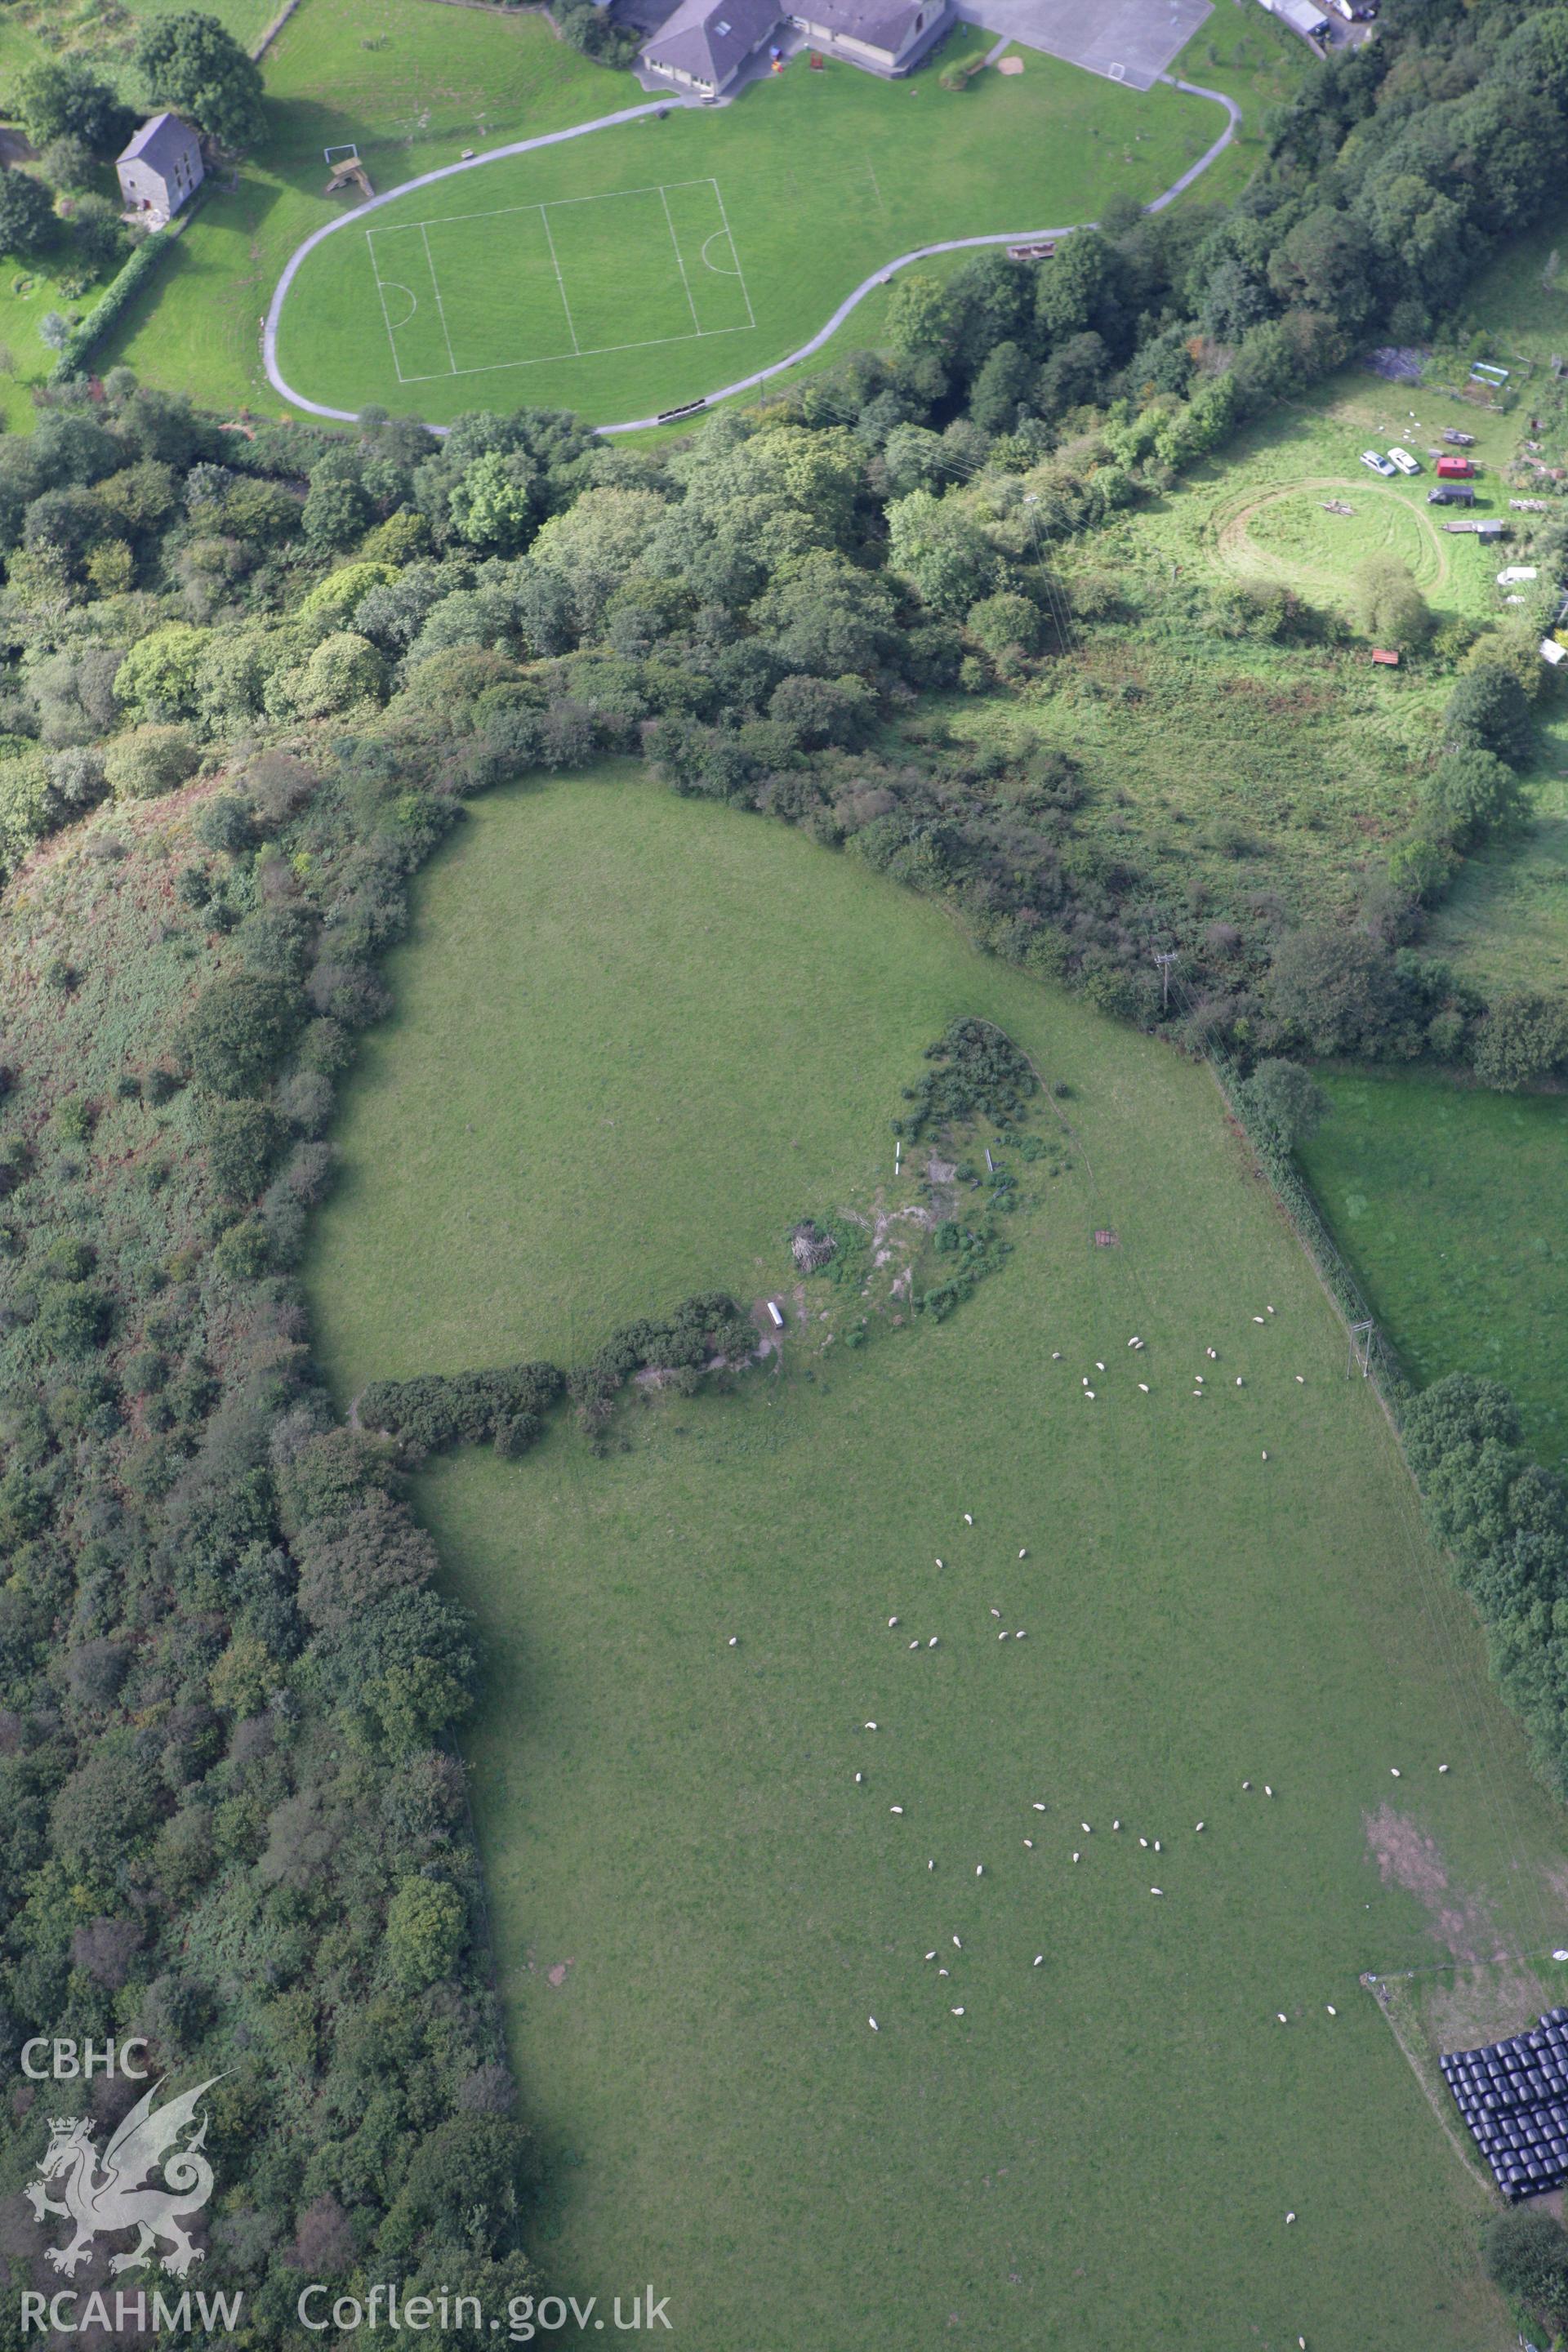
[(115, 2198)]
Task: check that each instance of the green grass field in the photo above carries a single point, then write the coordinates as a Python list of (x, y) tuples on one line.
[(1449, 1202), (636, 1037), (645, 265), (411, 83), (1181, 727)]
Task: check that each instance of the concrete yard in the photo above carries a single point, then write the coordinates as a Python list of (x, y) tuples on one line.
[(1132, 41)]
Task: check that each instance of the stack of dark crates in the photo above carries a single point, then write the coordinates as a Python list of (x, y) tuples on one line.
[(1513, 2095)]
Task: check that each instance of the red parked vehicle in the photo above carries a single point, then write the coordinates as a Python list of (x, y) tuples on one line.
[(1455, 469)]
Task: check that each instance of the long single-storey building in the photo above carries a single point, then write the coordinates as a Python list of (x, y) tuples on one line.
[(705, 44)]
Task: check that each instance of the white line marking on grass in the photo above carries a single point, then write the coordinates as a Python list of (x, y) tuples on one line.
[(570, 324), (736, 253), (440, 307), (280, 384), (381, 291), (589, 352), (680, 264), (719, 271)]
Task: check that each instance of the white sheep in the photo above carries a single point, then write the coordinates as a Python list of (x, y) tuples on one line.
[(1038, 1958), (931, 1644), (958, 2012), (1024, 1554), (1281, 2016), (980, 1870), (967, 1520), (1030, 1843), (1022, 1634), (1442, 1768), (957, 1944), (1144, 1386), (1331, 2009), (1040, 1809), (873, 2024), (735, 1640), (892, 1620), (895, 1808), (1393, 1771), (1078, 1857), (859, 1776), (1156, 1890), (1198, 1826), (1144, 1844)]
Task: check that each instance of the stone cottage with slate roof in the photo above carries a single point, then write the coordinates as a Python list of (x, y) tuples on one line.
[(705, 44), (161, 169)]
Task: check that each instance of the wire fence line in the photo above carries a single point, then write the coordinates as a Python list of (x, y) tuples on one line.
[(1382, 1365)]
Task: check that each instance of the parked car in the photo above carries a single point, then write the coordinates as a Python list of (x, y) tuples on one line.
[(1455, 469), (1379, 465), (1460, 440), (1451, 494), (1404, 461)]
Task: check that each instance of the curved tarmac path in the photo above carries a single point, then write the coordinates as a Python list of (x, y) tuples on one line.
[(743, 383)]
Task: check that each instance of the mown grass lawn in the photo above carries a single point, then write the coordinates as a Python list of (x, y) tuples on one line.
[(461, 296), (411, 83), (636, 1037), (1449, 1203)]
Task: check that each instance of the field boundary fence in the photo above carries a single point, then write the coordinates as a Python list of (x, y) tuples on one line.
[(1294, 1195)]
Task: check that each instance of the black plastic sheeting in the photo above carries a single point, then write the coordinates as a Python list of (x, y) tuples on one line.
[(1514, 2095)]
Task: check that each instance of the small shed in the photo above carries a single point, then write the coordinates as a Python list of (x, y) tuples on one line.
[(160, 170), (1390, 660)]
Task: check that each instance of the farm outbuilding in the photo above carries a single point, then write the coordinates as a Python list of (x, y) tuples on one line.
[(161, 169), (1301, 17), (1513, 2095)]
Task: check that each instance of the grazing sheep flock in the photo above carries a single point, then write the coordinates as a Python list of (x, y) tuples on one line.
[(1090, 1884)]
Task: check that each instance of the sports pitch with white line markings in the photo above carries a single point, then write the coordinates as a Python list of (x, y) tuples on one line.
[(515, 287)]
